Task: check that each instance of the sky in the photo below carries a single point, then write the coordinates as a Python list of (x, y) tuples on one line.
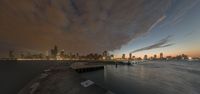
[(91, 26)]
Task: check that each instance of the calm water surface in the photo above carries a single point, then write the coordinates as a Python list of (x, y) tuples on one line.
[(153, 77)]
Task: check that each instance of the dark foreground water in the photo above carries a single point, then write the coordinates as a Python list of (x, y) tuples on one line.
[(153, 77), (14, 75)]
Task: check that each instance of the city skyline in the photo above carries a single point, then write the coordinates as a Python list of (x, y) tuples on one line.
[(121, 27), (58, 54)]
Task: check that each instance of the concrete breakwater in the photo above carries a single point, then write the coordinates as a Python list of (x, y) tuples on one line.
[(85, 67), (16, 75), (62, 80)]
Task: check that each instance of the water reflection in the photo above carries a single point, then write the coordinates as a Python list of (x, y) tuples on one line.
[(150, 78), (105, 75), (142, 74)]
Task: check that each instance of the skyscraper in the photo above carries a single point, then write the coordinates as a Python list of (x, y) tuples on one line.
[(130, 56), (161, 55), (54, 51), (145, 57), (123, 56), (155, 56), (105, 53)]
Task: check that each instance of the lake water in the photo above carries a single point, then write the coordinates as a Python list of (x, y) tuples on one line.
[(153, 77), (14, 75)]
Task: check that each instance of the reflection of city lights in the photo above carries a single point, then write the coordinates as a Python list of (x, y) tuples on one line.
[(190, 58)]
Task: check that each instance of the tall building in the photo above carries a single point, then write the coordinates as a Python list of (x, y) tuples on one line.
[(145, 57), (130, 56), (106, 55), (161, 55), (123, 56), (155, 56), (54, 51)]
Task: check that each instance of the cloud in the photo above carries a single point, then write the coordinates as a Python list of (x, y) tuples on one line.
[(160, 44), (183, 10), (157, 22), (78, 25)]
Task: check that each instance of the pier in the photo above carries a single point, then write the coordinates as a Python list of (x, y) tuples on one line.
[(87, 68), (62, 81)]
